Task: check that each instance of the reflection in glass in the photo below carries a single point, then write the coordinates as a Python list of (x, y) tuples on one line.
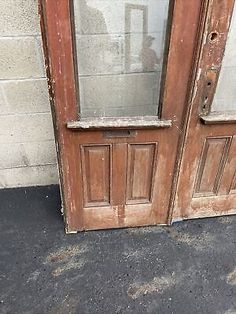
[(225, 97), (120, 46)]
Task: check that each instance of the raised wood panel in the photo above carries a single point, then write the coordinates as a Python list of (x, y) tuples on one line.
[(233, 186), (141, 166), (227, 184), (96, 172), (212, 162)]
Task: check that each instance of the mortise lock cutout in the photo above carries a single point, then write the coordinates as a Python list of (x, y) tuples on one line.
[(207, 96)]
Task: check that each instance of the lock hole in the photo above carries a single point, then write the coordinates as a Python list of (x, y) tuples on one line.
[(213, 36)]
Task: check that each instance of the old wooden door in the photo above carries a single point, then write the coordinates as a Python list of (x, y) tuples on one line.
[(207, 180), (121, 77)]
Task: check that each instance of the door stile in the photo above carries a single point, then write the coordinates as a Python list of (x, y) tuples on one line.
[(119, 182), (176, 100), (57, 40)]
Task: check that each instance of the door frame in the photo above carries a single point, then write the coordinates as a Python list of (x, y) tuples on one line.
[(57, 34)]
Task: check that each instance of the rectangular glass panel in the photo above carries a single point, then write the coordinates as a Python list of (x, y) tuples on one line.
[(120, 47), (225, 97)]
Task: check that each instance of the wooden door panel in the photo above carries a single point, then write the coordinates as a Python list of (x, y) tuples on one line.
[(96, 165), (233, 187), (219, 165), (215, 196), (96, 168), (212, 161), (141, 167), (125, 184), (227, 184)]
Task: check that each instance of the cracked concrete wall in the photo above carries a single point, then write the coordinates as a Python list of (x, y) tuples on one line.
[(27, 150)]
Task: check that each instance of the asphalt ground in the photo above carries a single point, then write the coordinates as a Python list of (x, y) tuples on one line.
[(189, 267)]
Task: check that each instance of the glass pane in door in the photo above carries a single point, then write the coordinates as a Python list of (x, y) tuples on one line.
[(120, 47), (225, 97)]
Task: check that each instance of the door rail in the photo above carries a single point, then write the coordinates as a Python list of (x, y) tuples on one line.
[(148, 122)]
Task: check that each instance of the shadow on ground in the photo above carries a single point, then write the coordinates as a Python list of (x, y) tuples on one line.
[(187, 268)]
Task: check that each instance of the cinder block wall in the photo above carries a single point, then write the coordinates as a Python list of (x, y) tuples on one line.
[(27, 150)]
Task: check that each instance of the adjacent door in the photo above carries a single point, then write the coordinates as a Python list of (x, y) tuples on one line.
[(207, 179)]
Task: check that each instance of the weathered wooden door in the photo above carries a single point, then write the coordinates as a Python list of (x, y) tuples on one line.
[(140, 133), (207, 179), (119, 78)]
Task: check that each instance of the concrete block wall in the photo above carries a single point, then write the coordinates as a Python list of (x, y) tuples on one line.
[(27, 149)]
